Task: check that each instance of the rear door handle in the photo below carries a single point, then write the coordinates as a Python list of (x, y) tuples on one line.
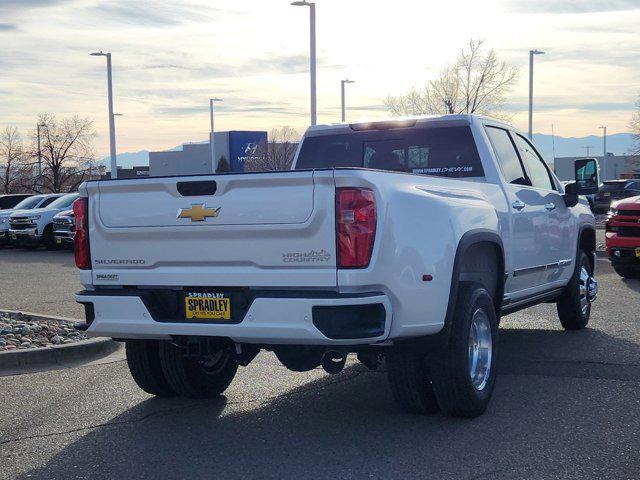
[(518, 205), (550, 206)]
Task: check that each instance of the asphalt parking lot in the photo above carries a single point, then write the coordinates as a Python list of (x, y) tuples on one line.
[(565, 406), (39, 281)]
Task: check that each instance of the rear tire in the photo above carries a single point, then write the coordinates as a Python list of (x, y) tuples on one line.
[(574, 306), (627, 272), (463, 371), (192, 377), (143, 358), (48, 239), (410, 381)]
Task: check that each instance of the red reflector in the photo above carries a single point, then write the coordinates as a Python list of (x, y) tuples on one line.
[(355, 226), (81, 237)]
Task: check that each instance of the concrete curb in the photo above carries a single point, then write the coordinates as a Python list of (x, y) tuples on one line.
[(57, 354)]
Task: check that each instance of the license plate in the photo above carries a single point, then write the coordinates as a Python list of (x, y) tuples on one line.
[(607, 194), (207, 306), (637, 252), (58, 241)]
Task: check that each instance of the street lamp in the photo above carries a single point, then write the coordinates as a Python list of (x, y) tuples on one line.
[(212, 144), (112, 129), (342, 82), (531, 54), (312, 53), (604, 146)]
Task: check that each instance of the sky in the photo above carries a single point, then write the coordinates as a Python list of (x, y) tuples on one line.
[(170, 57)]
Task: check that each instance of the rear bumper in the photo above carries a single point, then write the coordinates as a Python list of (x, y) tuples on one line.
[(277, 319)]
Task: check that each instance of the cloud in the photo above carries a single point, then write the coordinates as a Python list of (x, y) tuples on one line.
[(152, 13), (540, 105), (233, 105), (17, 6), (8, 27), (570, 6), (266, 64)]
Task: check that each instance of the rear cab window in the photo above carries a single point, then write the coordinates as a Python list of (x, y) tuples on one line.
[(437, 151)]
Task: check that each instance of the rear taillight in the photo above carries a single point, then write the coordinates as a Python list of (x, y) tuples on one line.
[(355, 226), (81, 238)]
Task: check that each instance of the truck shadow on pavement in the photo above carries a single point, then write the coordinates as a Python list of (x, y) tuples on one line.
[(347, 426)]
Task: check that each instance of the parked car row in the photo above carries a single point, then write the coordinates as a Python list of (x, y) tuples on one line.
[(37, 220)]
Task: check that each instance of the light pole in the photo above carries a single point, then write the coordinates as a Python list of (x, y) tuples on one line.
[(112, 128), (604, 146), (531, 54), (312, 53), (588, 147), (342, 82), (212, 144)]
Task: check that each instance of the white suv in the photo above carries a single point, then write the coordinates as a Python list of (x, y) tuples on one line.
[(35, 227), (29, 203)]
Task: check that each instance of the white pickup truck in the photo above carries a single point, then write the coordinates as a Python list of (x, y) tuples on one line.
[(403, 241)]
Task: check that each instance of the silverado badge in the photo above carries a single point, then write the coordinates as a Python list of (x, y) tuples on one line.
[(198, 212)]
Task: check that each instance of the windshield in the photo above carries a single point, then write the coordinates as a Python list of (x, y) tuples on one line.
[(440, 151), (29, 203), (64, 201), (613, 186)]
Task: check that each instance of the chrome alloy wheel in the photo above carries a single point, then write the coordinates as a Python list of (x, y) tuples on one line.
[(588, 290), (480, 349)]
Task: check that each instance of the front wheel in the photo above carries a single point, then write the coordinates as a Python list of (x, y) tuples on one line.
[(574, 305), (197, 377), (463, 371), (627, 272)]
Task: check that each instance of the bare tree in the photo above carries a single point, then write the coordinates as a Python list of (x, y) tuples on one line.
[(67, 152), (477, 82), (13, 171), (277, 153), (634, 125)]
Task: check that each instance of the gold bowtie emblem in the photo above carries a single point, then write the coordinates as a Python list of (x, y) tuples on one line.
[(197, 213)]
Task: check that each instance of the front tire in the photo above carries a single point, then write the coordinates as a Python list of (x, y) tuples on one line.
[(194, 377), (143, 359), (48, 239), (574, 305), (627, 272), (463, 371)]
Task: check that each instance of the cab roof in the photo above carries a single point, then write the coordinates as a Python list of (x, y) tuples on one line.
[(403, 122)]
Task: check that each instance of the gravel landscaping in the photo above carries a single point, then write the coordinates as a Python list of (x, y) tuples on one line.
[(19, 331)]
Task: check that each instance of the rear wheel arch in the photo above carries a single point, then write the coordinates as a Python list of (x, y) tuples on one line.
[(479, 259)]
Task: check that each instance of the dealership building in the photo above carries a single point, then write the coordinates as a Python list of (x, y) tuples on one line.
[(233, 147)]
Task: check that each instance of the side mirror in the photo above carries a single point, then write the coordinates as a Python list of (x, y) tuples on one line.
[(571, 194), (586, 174)]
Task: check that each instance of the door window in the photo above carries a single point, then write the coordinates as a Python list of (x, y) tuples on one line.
[(536, 168), (507, 156)]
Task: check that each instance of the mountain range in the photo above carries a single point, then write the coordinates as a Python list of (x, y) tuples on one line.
[(618, 144)]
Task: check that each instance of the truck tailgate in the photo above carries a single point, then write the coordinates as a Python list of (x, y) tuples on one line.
[(264, 229)]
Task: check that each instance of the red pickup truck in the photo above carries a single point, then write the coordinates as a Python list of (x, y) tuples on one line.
[(623, 237)]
